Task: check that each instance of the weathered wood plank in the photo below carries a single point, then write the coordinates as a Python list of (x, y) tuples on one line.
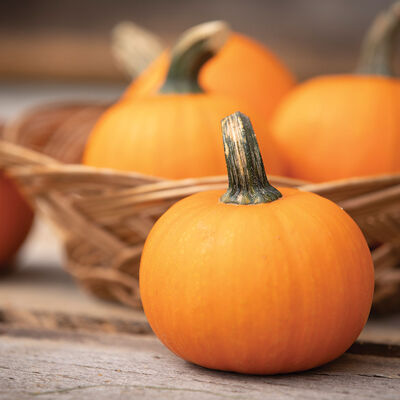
[(74, 365)]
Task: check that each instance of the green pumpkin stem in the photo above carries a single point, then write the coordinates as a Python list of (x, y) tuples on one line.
[(377, 50), (196, 46), (248, 183)]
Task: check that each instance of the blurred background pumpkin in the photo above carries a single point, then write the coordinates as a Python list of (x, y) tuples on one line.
[(346, 125), (243, 69), (172, 131), (16, 219)]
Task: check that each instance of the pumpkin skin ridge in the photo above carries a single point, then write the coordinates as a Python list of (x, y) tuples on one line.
[(288, 193), (190, 214), (339, 319), (299, 193)]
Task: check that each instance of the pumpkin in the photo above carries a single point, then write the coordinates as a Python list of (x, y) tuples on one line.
[(16, 219), (173, 134), (256, 280), (243, 68), (343, 126)]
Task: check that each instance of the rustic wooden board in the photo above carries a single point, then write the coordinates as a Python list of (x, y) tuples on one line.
[(51, 365)]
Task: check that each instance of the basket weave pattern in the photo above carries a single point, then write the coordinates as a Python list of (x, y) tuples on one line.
[(104, 216)]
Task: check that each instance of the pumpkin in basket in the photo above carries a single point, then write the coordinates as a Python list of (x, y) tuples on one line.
[(15, 220), (243, 68), (173, 133), (255, 280), (342, 126)]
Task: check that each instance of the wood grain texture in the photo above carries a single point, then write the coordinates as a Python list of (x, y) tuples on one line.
[(38, 364)]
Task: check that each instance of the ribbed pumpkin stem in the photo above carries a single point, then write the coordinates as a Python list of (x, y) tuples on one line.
[(196, 46), (248, 183), (378, 47)]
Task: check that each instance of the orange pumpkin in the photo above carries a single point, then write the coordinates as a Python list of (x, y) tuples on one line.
[(16, 219), (257, 281), (174, 134), (343, 126), (243, 68)]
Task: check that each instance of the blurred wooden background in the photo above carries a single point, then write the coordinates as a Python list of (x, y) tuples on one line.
[(69, 40)]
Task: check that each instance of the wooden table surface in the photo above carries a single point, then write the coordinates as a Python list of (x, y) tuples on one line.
[(56, 341)]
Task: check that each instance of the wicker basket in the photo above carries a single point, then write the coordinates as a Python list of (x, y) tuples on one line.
[(104, 216)]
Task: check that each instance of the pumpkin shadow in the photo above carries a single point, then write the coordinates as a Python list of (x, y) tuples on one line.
[(351, 360)]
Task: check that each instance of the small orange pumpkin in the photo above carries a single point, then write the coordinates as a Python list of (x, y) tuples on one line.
[(243, 68), (351, 118), (257, 281), (16, 219), (173, 134)]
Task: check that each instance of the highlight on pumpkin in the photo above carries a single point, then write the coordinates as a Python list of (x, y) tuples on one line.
[(266, 81), (174, 133), (345, 126), (259, 278)]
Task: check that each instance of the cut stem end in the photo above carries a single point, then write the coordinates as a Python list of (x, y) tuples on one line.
[(248, 183)]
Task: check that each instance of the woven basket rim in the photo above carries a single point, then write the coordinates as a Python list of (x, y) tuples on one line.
[(41, 164)]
